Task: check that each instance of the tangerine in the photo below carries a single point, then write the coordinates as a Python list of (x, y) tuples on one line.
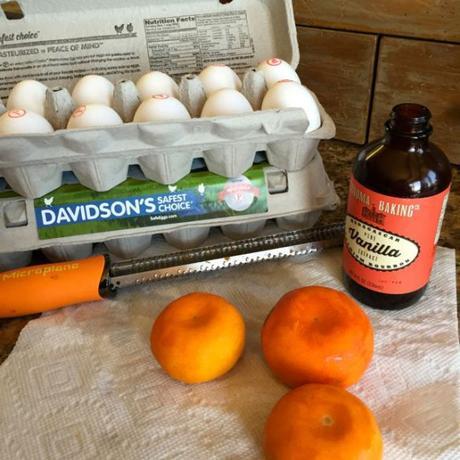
[(198, 337), (317, 335), (321, 422)]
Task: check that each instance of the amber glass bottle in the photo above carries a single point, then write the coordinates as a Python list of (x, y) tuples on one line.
[(398, 195)]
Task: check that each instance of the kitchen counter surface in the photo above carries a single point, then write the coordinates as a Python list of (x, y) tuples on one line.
[(337, 158)]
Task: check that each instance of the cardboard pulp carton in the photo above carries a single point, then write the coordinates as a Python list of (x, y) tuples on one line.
[(59, 42), (67, 223)]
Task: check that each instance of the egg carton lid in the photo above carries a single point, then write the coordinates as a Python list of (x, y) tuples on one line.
[(58, 42)]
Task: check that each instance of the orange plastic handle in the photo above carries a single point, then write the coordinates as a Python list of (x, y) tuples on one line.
[(47, 287)]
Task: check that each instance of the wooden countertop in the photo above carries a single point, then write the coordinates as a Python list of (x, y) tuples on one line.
[(337, 157)]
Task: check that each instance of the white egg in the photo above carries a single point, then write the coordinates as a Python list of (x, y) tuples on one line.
[(92, 116), (226, 102), (93, 89), (29, 95), (219, 76), (161, 108), (275, 70), (154, 83), (288, 94), (20, 121)]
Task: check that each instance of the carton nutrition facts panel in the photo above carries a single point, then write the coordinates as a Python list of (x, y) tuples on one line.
[(185, 44)]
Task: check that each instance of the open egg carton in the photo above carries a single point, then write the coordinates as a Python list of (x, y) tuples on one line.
[(57, 43), (33, 164), (293, 200)]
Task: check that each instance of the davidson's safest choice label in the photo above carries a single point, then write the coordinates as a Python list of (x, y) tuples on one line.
[(390, 242), (75, 210)]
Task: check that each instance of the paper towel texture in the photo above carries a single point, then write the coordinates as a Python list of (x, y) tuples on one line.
[(82, 383)]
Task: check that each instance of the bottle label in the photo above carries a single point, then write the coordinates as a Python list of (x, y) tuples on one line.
[(390, 242)]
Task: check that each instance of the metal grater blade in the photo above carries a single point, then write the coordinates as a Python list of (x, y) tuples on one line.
[(225, 255)]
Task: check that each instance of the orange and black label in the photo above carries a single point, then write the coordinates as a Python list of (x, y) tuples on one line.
[(390, 242)]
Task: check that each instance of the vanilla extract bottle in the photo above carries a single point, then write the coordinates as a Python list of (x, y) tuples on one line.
[(398, 195)]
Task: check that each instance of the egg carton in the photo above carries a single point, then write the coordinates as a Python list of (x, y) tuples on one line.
[(33, 165), (71, 41), (295, 200), (100, 157)]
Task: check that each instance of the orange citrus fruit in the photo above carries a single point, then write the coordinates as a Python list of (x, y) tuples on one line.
[(317, 335), (198, 337), (321, 422)]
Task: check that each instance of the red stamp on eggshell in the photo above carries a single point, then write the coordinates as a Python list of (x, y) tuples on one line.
[(79, 111), (274, 62), (160, 96), (16, 113)]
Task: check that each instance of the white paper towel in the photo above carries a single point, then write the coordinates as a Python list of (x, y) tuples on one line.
[(82, 383)]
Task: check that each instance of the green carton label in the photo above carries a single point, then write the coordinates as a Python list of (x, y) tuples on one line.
[(75, 210)]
